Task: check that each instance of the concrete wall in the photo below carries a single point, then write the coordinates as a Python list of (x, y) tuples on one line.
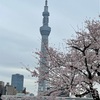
[(11, 97)]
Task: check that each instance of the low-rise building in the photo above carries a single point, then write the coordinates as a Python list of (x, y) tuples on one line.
[(1, 87), (10, 90)]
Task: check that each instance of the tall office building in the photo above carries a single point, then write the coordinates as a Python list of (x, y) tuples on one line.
[(45, 31), (17, 82)]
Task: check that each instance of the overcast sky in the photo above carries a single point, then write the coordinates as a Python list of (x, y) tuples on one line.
[(20, 21)]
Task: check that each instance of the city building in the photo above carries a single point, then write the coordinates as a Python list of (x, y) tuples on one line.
[(1, 87), (17, 82), (45, 31), (10, 90)]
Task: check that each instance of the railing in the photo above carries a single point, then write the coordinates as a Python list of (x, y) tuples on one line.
[(42, 98)]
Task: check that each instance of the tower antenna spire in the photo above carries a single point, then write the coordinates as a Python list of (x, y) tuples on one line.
[(46, 2)]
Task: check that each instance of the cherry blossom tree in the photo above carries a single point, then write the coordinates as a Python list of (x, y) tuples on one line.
[(78, 70), (85, 58), (61, 75)]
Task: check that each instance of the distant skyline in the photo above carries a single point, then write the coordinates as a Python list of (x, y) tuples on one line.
[(20, 37)]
